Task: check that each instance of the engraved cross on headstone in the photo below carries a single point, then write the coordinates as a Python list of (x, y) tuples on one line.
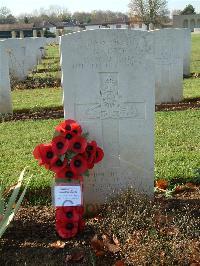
[(110, 110)]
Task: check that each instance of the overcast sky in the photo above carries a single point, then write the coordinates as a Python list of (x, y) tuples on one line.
[(27, 6)]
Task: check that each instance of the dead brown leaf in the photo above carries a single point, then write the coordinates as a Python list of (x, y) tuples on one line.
[(101, 246), (97, 244), (180, 188), (113, 248), (109, 246), (100, 253), (162, 184), (76, 255), (187, 186), (119, 263), (190, 185), (106, 239), (115, 240), (58, 244)]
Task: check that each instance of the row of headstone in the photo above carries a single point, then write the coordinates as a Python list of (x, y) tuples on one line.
[(169, 65), (172, 62), (24, 54), (187, 51), (5, 91), (18, 57), (110, 79)]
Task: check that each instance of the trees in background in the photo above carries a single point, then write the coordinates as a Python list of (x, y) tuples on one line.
[(188, 10), (6, 16), (149, 11), (176, 12), (54, 13), (98, 16), (81, 17), (57, 13)]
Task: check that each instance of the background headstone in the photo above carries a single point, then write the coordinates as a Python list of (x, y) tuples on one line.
[(187, 51), (5, 91), (25, 54), (169, 48), (109, 80)]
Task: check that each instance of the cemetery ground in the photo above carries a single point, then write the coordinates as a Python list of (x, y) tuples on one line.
[(131, 229)]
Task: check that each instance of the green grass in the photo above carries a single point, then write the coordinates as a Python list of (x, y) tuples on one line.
[(53, 51), (176, 150), (177, 133), (191, 88), (47, 74), (36, 98), (17, 142), (195, 58)]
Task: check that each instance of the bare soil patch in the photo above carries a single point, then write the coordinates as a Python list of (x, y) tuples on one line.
[(32, 240)]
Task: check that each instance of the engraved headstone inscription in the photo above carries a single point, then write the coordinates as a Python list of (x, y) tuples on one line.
[(108, 81)]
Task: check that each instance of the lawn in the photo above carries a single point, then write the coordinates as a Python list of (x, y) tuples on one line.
[(35, 99), (195, 58), (48, 97), (176, 150), (148, 233), (177, 134), (191, 88)]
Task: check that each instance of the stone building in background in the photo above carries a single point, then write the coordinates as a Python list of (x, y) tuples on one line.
[(186, 21)]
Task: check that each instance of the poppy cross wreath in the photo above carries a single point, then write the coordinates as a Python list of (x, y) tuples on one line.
[(69, 155)]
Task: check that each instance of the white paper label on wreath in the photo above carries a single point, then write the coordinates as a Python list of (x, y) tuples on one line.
[(67, 195)]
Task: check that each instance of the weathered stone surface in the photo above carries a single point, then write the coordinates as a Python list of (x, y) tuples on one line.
[(24, 54), (169, 49), (5, 91), (187, 51), (109, 80)]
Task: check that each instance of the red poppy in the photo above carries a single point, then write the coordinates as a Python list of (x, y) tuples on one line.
[(67, 214), (90, 154), (80, 210), (69, 125), (66, 229), (78, 164), (60, 145), (67, 172), (99, 155), (68, 135), (44, 154), (57, 165), (78, 144)]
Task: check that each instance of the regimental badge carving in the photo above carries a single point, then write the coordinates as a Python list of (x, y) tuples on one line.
[(112, 104), (110, 107), (109, 92)]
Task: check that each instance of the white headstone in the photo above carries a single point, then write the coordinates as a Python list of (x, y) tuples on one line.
[(197, 30), (5, 91), (24, 55), (168, 45), (16, 51), (108, 79), (187, 51)]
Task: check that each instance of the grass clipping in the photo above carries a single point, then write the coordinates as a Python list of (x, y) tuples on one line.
[(149, 232)]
